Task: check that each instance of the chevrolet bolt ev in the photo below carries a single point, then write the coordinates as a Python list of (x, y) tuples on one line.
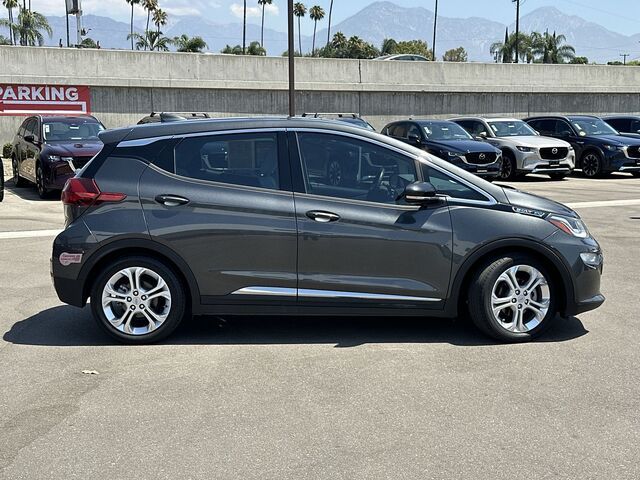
[(47, 150), (226, 217), (450, 142), (523, 149), (600, 149)]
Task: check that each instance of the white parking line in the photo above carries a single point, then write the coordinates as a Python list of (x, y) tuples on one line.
[(28, 234), (608, 203)]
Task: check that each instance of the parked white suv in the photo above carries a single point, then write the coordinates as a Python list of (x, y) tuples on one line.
[(523, 149)]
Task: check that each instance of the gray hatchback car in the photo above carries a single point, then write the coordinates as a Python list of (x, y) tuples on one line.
[(242, 216)]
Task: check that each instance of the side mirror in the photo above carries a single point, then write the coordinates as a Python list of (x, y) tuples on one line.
[(413, 138), (420, 193), (30, 139), (483, 135)]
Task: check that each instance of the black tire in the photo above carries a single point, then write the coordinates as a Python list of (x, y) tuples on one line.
[(558, 176), (480, 295), (177, 309), (17, 179), (591, 164), (509, 170), (43, 191)]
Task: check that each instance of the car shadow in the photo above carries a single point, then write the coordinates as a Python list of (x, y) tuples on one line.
[(68, 326), (28, 192)]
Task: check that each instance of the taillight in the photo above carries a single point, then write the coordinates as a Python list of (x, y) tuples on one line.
[(84, 192)]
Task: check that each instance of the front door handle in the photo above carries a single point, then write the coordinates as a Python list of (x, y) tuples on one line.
[(171, 200), (323, 217)]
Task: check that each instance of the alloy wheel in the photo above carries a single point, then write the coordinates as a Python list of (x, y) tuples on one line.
[(591, 165), (136, 301), (506, 170), (40, 182), (520, 299)]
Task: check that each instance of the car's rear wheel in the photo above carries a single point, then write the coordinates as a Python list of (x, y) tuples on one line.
[(509, 170), (513, 298), (592, 164), (17, 179), (558, 176), (138, 300)]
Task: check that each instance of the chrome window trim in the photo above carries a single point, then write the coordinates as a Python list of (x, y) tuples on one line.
[(490, 199), (143, 142), (311, 293)]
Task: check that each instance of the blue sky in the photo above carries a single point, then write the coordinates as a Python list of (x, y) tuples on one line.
[(622, 16)]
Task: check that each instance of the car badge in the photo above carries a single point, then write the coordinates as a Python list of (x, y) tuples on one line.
[(554, 151), (482, 156)]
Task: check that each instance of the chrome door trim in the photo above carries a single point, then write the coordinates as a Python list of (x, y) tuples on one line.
[(267, 291), (310, 293)]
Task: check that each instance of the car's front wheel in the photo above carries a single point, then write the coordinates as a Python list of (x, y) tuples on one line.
[(513, 298), (138, 300), (509, 170), (43, 191), (17, 179), (592, 165)]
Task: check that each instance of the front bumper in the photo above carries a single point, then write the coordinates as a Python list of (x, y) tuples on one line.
[(532, 162), (58, 174), (620, 161), (491, 170)]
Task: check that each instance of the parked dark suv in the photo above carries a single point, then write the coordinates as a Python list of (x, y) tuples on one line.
[(625, 124), (599, 148), (49, 149), (155, 231), (450, 142)]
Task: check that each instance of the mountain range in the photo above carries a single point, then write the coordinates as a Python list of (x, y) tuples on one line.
[(376, 22)]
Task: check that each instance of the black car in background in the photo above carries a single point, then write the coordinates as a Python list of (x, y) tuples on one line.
[(600, 149), (48, 150), (450, 142), (155, 233), (625, 124)]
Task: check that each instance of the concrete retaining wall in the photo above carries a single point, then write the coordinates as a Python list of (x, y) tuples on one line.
[(128, 85)]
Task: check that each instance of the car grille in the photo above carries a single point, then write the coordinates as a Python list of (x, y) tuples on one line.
[(480, 158), (555, 153), (79, 162), (633, 152)]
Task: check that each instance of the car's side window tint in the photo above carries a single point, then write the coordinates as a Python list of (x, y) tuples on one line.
[(635, 126), (446, 185), (563, 128), (345, 167), (249, 159)]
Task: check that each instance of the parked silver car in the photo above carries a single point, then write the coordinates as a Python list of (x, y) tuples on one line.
[(523, 149)]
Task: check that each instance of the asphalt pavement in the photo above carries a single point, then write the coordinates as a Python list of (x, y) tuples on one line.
[(330, 398)]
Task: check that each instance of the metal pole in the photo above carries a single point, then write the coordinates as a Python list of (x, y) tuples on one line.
[(624, 57), (435, 26), (66, 8), (292, 72), (517, 28)]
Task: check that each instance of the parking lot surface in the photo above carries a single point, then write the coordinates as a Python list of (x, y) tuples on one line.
[(339, 398)]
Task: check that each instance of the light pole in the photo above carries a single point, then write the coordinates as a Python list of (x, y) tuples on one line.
[(517, 2), (624, 58), (435, 26), (292, 71)]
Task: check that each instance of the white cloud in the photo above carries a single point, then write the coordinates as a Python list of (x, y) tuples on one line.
[(238, 10)]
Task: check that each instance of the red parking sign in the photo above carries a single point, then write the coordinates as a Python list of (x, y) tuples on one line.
[(20, 99)]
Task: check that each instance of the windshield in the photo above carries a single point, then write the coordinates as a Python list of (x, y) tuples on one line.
[(511, 128), (593, 126), (65, 130), (445, 131)]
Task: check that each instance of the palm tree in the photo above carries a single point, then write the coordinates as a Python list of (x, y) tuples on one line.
[(316, 13), (160, 19), (503, 49), (299, 10), (263, 3), (150, 6), (28, 28), (153, 40), (559, 53), (329, 29), (133, 3), (189, 45), (10, 5)]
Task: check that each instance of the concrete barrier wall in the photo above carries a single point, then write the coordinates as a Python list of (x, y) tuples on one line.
[(128, 85)]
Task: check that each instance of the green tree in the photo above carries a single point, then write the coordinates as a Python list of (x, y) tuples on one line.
[(316, 14), (552, 49), (133, 3), (299, 10), (5, 41), (389, 46), (254, 49), (29, 27), (504, 50), (150, 6), (580, 60), (153, 40), (414, 47), (229, 50), (88, 43), (160, 19), (263, 3), (10, 5), (187, 44), (455, 55), (354, 47)]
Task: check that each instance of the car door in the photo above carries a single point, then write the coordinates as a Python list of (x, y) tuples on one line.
[(565, 131), (357, 245), (226, 208), (29, 150)]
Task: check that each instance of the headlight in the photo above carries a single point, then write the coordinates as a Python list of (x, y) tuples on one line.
[(452, 154), (613, 148), (526, 149), (571, 226), (58, 158)]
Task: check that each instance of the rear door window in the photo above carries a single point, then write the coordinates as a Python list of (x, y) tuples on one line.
[(248, 159)]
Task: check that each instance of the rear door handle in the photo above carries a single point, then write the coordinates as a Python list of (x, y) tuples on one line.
[(323, 217), (171, 200)]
